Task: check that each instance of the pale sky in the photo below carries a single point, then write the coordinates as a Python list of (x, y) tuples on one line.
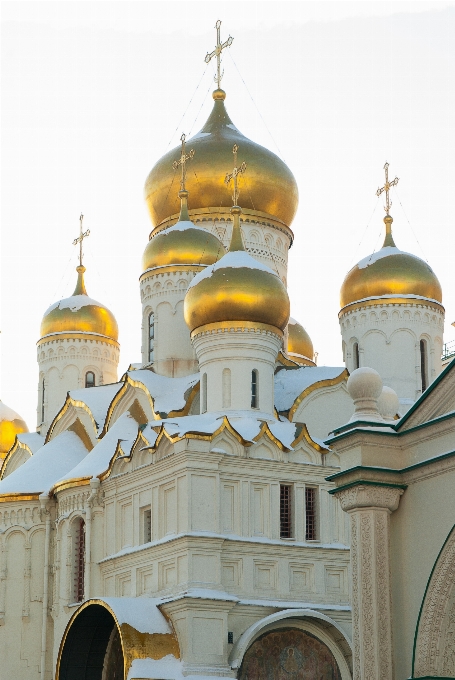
[(94, 93)]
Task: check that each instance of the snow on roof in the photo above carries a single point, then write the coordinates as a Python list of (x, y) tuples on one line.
[(32, 440), (40, 471), (234, 260), (290, 383), (394, 295), (386, 251), (74, 303), (98, 400), (167, 668), (182, 226), (169, 394), (97, 461), (141, 613), (7, 413)]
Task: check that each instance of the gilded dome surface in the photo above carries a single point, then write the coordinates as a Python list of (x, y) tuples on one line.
[(11, 424), (269, 186), (182, 244), (79, 314), (236, 288), (392, 272), (299, 342)]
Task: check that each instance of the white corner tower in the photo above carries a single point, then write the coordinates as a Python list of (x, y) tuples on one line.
[(392, 318)]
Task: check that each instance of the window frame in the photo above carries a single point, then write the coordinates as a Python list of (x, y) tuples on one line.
[(255, 388), (423, 345), (287, 528), (79, 555), (86, 379), (315, 514), (151, 336)]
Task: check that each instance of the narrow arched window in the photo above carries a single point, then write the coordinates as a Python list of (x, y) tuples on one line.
[(79, 560), (90, 379), (254, 389), (43, 392), (355, 355), (204, 393), (423, 364), (226, 388), (151, 335)]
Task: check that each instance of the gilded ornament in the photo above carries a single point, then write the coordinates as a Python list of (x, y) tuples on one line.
[(300, 347), (11, 424)]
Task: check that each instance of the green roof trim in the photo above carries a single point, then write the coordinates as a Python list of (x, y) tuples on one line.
[(366, 482)]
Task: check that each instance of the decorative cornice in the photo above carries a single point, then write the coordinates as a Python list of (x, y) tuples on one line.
[(171, 268), (363, 494), (388, 300), (236, 327), (91, 337)]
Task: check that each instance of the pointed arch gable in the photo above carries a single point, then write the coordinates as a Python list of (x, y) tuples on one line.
[(71, 411)]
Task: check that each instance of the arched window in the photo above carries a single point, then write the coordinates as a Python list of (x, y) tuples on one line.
[(226, 388), (204, 393), (79, 560), (151, 335), (90, 379), (254, 389), (43, 392), (424, 364), (355, 355)]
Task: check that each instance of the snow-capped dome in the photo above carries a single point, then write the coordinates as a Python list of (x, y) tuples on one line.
[(11, 424)]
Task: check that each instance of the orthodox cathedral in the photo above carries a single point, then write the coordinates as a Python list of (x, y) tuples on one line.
[(227, 508)]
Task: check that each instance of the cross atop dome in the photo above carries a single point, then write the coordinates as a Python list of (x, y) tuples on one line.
[(184, 157), (80, 239), (234, 174), (217, 53), (386, 188)]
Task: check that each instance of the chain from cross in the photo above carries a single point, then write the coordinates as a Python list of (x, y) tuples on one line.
[(234, 174), (80, 238), (184, 157), (386, 188), (217, 53)]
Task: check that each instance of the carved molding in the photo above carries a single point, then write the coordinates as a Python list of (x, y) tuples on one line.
[(370, 496)]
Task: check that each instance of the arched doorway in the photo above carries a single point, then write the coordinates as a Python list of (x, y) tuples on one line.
[(92, 649), (289, 654)]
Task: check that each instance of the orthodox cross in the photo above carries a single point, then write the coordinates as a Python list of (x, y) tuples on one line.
[(386, 188), (80, 238), (234, 174), (184, 157), (217, 52)]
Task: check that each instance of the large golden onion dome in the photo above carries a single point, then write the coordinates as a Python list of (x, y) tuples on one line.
[(300, 347), (11, 424), (269, 188), (236, 288), (182, 244), (390, 273), (79, 314)]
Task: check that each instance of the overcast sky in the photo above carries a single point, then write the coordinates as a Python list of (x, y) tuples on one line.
[(93, 94)]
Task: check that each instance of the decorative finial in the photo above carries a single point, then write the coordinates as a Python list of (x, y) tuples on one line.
[(183, 194), (80, 239), (236, 239), (386, 188), (217, 53)]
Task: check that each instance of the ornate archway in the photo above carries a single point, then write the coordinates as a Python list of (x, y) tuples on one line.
[(289, 654)]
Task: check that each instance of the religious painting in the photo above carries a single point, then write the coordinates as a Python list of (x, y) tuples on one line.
[(289, 654)]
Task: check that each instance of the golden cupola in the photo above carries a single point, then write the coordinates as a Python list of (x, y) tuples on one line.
[(269, 189), (236, 288), (11, 424), (182, 244), (390, 274), (300, 348), (79, 314)]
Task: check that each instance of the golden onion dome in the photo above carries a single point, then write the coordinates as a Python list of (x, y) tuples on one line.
[(182, 244), (300, 347), (390, 273), (11, 424), (269, 187), (79, 314), (236, 288)]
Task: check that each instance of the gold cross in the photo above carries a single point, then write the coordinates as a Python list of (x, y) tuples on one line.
[(217, 52), (184, 157), (234, 174), (81, 238), (386, 188)]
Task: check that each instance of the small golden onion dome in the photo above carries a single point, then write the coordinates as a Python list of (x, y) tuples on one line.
[(11, 424), (300, 347), (182, 244), (390, 273), (79, 314), (269, 187), (236, 288)]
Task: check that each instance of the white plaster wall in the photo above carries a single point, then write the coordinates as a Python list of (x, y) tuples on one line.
[(389, 341), (324, 410), (228, 356), (63, 364)]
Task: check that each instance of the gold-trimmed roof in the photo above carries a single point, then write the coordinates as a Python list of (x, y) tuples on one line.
[(11, 424), (79, 314), (269, 187), (390, 272)]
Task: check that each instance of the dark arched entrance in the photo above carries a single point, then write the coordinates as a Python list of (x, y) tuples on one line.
[(92, 648), (289, 654)]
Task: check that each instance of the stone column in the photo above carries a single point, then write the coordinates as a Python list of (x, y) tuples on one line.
[(370, 506)]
